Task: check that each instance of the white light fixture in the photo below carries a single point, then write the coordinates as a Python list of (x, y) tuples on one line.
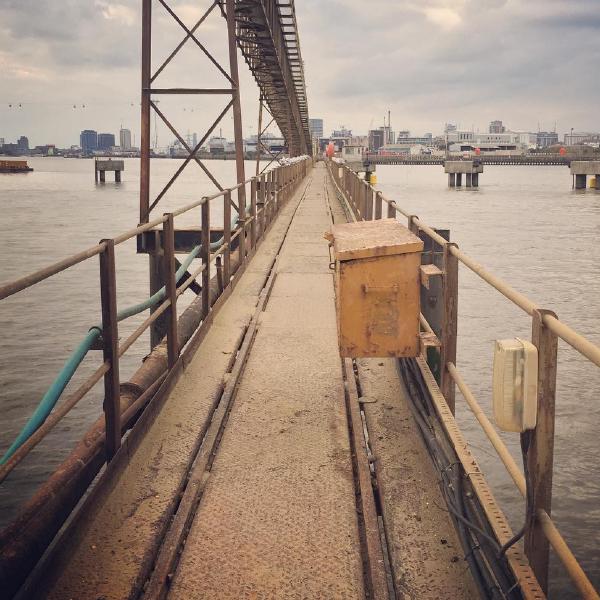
[(515, 385)]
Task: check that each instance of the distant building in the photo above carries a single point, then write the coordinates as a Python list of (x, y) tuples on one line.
[(497, 127), (1, 142), (23, 145), (125, 139), (509, 141), (316, 128), (376, 139), (449, 127), (106, 141), (88, 140), (571, 139), (545, 139)]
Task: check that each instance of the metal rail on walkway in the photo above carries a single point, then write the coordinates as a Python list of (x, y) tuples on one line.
[(367, 204), (267, 193)]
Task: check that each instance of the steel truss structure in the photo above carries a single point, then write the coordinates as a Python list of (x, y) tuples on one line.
[(266, 33)]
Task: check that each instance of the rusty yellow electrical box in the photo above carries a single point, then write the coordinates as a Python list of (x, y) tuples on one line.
[(377, 288)]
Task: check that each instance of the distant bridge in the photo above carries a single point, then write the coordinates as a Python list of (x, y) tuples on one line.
[(539, 160)]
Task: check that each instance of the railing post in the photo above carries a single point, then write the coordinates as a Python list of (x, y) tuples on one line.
[(540, 456), (262, 197), (110, 348), (378, 205), (206, 257), (241, 197), (253, 213), (368, 202), (391, 210), (227, 238), (170, 288), (449, 323)]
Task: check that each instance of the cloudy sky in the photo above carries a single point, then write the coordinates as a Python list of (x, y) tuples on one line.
[(74, 64)]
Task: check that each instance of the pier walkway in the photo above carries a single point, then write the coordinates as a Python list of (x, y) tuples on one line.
[(249, 482)]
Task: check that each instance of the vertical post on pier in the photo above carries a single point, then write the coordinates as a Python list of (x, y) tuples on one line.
[(241, 197), (145, 111), (540, 456), (378, 205), (458, 179), (262, 199), (206, 257), (368, 193), (391, 210), (253, 213), (449, 323), (469, 178), (96, 170), (227, 237), (451, 180), (170, 289), (110, 349)]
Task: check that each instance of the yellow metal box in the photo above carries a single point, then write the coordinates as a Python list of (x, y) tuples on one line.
[(377, 288)]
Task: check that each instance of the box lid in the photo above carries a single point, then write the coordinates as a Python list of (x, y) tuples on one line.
[(366, 239)]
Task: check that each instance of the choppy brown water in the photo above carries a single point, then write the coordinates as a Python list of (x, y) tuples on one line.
[(523, 223)]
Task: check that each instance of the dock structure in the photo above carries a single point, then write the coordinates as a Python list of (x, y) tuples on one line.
[(101, 166), (457, 168), (276, 493), (252, 454), (580, 169)]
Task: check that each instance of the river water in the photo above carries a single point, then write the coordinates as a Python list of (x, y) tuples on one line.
[(525, 224)]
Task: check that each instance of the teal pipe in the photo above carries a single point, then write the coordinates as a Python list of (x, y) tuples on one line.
[(51, 397)]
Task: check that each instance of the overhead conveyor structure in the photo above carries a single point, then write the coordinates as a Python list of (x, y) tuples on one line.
[(267, 35)]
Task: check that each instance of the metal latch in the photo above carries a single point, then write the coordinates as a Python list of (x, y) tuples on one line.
[(381, 289)]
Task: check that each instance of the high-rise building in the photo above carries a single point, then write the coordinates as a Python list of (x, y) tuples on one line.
[(546, 138), (88, 140), (23, 144), (106, 141), (497, 127), (316, 128), (125, 139), (376, 139)]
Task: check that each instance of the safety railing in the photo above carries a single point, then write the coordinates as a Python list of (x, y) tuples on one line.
[(439, 274), (240, 234)]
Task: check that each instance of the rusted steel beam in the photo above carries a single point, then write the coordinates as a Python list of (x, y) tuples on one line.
[(540, 457), (171, 288), (110, 349), (145, 111)]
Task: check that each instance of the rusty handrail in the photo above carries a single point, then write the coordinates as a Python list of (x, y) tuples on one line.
[(17, 285), (561, 330)]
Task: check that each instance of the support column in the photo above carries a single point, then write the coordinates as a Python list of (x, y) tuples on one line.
[(103, 177), (117, 176), (458, 179), (451, 179), (475, 179), (145, 111), (580, 182), (158, 329), (597, 186), (469, 178)]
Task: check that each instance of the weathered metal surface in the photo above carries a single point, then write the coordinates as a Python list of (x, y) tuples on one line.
[(110, 348), (540, 456), (426, 557)]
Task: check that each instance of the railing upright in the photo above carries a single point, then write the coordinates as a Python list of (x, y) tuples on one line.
[(253, 213), (171, 289), (263, 199), (226, 238), (205, 254), (110, 349), (378, 205), (449, 323), (540, 456)]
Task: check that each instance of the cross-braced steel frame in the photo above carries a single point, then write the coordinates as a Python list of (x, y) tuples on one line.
[(231, 91)]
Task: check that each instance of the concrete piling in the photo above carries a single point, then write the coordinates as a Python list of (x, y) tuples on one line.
[(580, 169), (457, 168)]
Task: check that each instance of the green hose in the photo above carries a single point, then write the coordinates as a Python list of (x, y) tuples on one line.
[(61, 381)]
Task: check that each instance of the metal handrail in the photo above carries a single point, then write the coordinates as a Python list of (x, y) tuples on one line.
[(43, 420), (561, 330)]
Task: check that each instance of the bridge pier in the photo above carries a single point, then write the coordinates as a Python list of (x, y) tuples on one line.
[(456, 169), (580, 169)]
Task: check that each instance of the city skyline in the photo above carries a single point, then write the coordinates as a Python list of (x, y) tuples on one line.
[(51, 68)]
